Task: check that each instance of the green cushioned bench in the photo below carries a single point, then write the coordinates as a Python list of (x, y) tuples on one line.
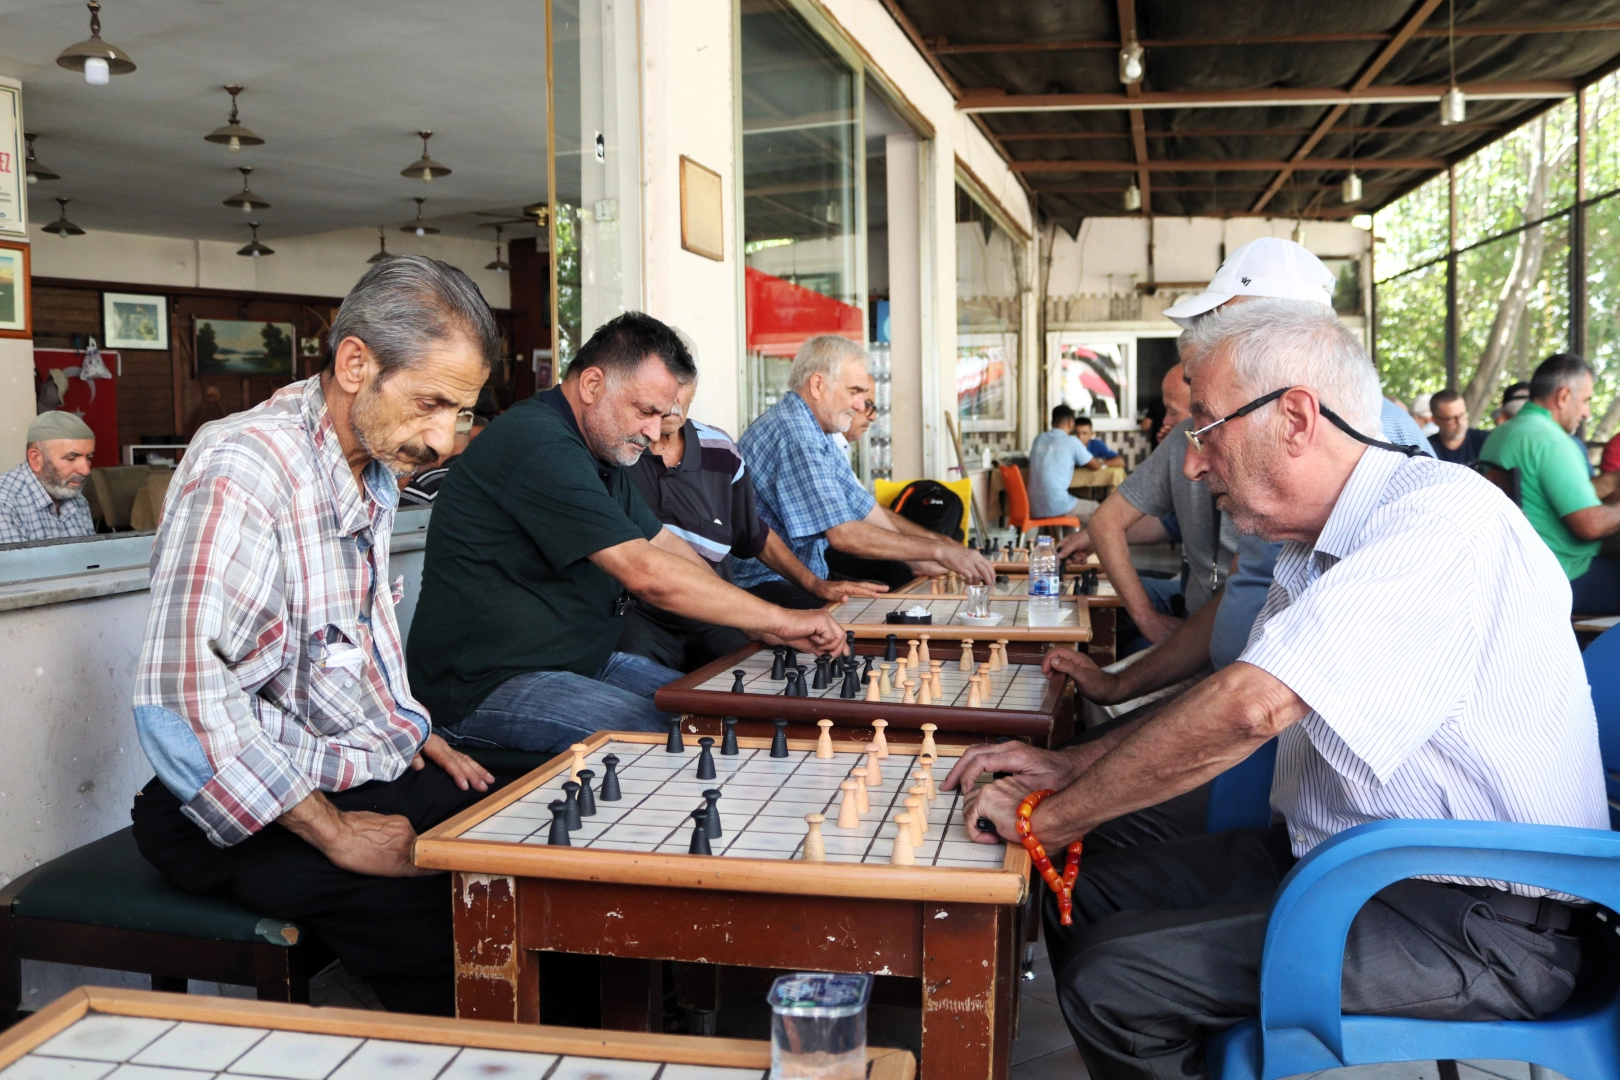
[(103, 905)]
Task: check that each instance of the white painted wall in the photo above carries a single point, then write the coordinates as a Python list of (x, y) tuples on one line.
[(322, 264), (16, 398)]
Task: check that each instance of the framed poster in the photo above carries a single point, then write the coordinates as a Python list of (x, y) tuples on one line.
[(134, 321), (16, 299), (245, 348), (13, 154), (702, 211)]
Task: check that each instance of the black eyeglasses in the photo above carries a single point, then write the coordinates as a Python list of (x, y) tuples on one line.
[(1334, 418)]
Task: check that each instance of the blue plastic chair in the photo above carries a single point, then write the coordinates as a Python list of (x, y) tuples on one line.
[(1240, 797), (1300, 1028)]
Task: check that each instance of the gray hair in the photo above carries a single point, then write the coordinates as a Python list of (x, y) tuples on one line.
[(824, 355), (1556, 372), (1277, 343), (407, 302)]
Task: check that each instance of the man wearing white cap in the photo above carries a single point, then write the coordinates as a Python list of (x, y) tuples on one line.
[(43, 499), (1423, 414)]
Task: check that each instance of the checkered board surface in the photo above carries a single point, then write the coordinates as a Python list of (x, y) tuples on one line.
[(1018, 586), (762, 805), (1020, 687), (943, 609), (115, 1047)]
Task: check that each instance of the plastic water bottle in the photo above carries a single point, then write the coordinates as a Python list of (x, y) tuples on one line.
[(1044, 582)]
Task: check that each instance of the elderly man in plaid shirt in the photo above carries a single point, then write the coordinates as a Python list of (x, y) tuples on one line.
[(294, 768), (43, 498), (809, 496)]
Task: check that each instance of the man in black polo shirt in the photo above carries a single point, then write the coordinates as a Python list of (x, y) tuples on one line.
[(538, 540), (694, 481)]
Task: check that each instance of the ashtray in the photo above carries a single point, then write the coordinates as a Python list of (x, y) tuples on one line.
[(900, 618)]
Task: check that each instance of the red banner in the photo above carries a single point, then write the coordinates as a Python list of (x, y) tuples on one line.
[(95, 402), (782, 316)]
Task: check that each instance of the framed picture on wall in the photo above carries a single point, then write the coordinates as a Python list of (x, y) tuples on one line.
[(16, 301), (134, 321), (245, 348), (702, 211)]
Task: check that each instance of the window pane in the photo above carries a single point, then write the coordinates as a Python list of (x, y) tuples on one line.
[(1603, 313), (1603, 136), (800, 145), (1512, 311), (1413, 229), (1524, 176), (1412, 333), (989, 268)]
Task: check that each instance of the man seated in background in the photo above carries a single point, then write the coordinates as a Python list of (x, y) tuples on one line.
[(1513, 399), (43, 498), (810, 497), (1555, 480), (857, 427), (693, 479), (1423, 415), (1608, 477), (1455, 441), (1100, 450), (539, 545), (423, 487), (1056, 453)]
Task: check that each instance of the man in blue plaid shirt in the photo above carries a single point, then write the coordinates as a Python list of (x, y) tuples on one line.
[(808, 494)]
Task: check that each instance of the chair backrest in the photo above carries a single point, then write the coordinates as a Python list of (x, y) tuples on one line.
[(115, 489), (887, 490), (1240, 798), (1017, 496), (1602, 659), (1506, 479)]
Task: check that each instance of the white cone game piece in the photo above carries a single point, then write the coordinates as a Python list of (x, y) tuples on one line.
[(966, 663), (902, 854), (874, 768), (925, 694), (814, 849), (879, 738), (928, 748), (923, 776), (824, 747), (927, 771), (922, 650), (849, 811), (899, 681), (974, 700), (885, 688), (578, 763), (863, 799), (911, 653), (933, 586), (1001, 652), (873, 691), (909, 697), (913, 810), (934, 686)]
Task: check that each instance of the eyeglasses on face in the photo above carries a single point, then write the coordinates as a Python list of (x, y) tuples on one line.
[(1196, 437)]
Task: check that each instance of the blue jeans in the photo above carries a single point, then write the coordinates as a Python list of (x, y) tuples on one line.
[(547, 711), (1597, 592)]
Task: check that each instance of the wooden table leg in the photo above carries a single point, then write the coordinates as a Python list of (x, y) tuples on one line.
[(1104, 646), (495, 978), (967, 1019)]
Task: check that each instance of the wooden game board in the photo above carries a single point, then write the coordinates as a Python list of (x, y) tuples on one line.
[(1014, 586), (866, 618), (955, 924), (1024, 702), (90, 1032)]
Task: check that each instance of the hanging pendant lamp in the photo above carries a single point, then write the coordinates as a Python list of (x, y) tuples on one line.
[(62, 226), (424, 168), (419, 226), (98, 60), (36, 169), (233, 134), (245, 200), (382, 247), (500, 265), (255, 249)]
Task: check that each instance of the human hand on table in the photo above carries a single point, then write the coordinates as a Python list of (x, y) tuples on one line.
[(809, 631), (836, 592), (974, 567), (1093, 682), (1077, 546), (1031, 769), (462, 769)]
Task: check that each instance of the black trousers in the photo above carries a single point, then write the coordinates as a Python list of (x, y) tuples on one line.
[(676, 642), (392, 932), (786, 594), (845, 567), (1167, 939)]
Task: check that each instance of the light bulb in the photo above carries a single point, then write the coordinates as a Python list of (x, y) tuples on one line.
[(247, 209), (1350, 190), (96, 72), (500, 269), (1453, 107), (236, 145), (421, 231), (427, 176), (255, 254), (32, 179)]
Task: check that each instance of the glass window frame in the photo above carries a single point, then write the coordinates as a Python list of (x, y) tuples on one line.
[(1017, 385)]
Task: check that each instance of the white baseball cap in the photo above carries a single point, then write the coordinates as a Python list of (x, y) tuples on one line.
[(1422, 405), (1280, 269)]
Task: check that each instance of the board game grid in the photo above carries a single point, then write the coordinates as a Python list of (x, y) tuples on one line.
[(1018, 687), (101, 1046), (762, 807), (863, 613)]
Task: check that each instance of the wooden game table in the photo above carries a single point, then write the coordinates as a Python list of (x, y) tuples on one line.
[(1027, 704), (94, 1030), (953, 921)]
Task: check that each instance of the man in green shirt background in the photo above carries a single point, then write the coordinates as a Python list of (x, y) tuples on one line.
[(538, 541), (1555, 480)]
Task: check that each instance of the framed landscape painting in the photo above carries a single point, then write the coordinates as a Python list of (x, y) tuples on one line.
[(15, 303), (245, 348), (134, 321)]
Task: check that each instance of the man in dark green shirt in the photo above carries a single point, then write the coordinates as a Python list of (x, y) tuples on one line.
[(538, 540)]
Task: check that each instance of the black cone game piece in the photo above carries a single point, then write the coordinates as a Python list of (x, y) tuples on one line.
[(891, 648), (700, 833), (706, 759), (728, 741), (790, 656), (778, 662), (610, 780), (559, 824), (737, 681), (571, 807), (819, 680), (801, 688), (674, 744), (866, 672), (849, 642), (792, 687), (587, 798), (779, 740), (712, 812), (851, 685)]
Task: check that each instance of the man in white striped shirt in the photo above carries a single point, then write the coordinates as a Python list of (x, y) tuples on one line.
[(1480, 711)]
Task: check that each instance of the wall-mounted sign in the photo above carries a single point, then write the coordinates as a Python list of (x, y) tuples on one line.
[(13, 153)]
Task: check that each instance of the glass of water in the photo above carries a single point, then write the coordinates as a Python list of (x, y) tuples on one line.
[(978, 602)]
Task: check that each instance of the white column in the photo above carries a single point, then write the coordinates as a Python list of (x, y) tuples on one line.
[(905, 200)]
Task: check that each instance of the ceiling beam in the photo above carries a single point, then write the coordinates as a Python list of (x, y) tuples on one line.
[(992, 101), (1375, 66), (1225, 133), (1228, 165), (1115, 189), (1144, 175), (942, 47)]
